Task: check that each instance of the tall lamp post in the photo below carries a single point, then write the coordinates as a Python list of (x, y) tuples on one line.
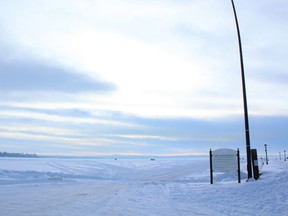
[(248, 152)]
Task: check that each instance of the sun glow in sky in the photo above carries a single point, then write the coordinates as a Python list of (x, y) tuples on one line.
[(141, 77)]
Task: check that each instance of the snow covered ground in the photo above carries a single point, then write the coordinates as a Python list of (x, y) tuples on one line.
[(80, 187)]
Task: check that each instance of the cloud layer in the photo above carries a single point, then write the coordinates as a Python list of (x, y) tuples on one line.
[(140, 77)]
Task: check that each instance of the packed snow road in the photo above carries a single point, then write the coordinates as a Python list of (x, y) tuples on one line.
[(52, 187)]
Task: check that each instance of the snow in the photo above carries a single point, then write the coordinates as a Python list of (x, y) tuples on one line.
[(74, 186)]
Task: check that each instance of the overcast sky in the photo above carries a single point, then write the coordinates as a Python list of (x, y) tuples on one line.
[(141, 77)]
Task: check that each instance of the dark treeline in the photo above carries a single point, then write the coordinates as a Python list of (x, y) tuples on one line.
[(12, 154)]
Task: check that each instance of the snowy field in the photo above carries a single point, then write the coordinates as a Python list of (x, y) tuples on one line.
[(80, 187)]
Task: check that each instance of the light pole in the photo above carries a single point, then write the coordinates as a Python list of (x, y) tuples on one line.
[(266, 153), (248, 151)]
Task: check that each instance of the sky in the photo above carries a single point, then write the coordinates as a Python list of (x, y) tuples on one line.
[(135, 77)]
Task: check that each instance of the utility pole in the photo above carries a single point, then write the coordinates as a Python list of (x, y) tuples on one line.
[(248, 149)]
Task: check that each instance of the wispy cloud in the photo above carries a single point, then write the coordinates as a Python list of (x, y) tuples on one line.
[(147, 137), (36, 129), (60, 118)]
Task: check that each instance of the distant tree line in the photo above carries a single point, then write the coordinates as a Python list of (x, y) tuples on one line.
[(12, 154)]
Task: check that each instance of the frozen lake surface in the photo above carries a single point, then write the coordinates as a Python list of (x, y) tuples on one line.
[(80, 187)]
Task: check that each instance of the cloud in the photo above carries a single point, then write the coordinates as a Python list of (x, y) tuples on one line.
[(50, 117), (33, 76), (144, 137), (56, 139), (40, 129)]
